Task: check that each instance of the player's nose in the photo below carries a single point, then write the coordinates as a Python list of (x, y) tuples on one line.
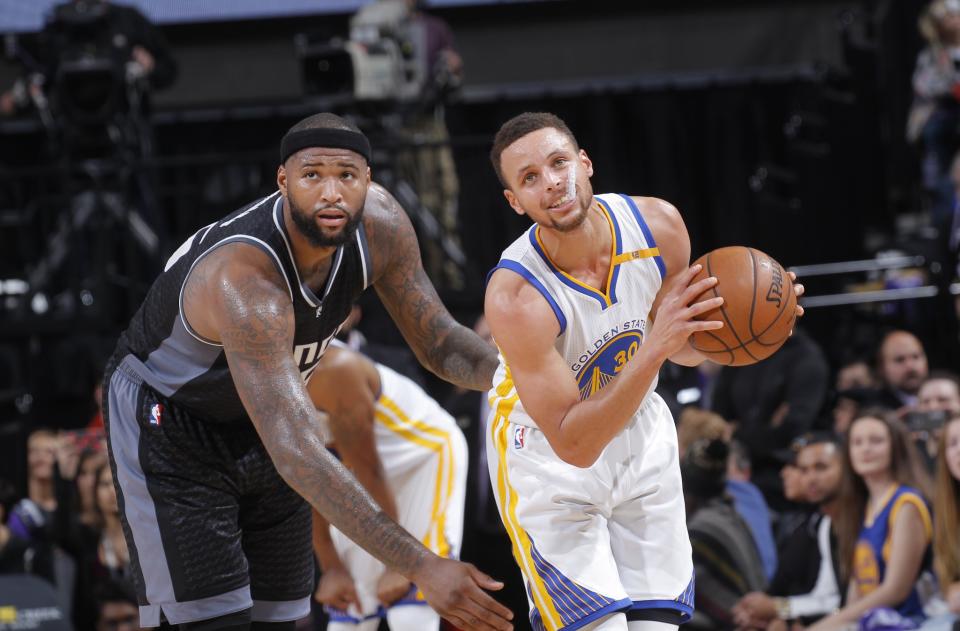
[(329, 191)]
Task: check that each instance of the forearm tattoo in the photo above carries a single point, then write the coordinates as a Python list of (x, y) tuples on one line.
[(257, 338), (452, 351)]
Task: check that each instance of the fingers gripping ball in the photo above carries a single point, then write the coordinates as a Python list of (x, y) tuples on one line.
[(758, 311)]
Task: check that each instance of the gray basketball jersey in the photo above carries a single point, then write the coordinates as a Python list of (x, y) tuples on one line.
[(192, 371)]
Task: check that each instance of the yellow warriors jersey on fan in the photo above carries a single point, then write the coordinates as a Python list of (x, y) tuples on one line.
[(599, 330)]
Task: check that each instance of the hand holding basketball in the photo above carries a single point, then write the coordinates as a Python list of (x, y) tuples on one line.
[(759, 310), (682, 311)]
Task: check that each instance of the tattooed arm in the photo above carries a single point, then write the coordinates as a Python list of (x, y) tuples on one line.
[(245, 305), (252, 316), (447, 348)]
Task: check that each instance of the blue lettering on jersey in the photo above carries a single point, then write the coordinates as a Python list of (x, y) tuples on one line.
[(608, 360)]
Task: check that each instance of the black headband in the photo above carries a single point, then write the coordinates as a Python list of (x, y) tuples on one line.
[(294, 141)]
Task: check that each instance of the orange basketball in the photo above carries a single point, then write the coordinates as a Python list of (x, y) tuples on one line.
[(758, 311)]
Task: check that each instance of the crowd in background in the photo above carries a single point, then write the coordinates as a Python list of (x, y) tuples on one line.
[(817, 496), (847, 512)]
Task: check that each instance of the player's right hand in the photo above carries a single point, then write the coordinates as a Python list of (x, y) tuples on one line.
[(455, 591), (675, 318), (336, 589)]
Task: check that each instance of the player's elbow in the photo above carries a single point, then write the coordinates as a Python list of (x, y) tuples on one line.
[(577, 455)]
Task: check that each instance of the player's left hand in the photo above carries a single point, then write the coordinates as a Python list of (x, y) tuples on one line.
[(392, 587)]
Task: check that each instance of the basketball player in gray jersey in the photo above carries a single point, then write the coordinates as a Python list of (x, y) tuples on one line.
[(214, 441)]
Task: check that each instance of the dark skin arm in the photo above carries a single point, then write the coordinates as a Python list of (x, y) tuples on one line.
[(345, 385), (237, 297), (444, 346)]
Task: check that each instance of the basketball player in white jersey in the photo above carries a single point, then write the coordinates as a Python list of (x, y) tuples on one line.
[(408, 452), (585, 308)]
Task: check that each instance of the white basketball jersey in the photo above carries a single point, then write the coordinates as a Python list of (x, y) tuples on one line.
[(599, 331)]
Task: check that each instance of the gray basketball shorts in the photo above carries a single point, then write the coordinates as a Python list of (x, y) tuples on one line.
[(211, 526)]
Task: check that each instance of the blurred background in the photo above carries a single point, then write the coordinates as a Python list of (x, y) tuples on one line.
[(822, 132)]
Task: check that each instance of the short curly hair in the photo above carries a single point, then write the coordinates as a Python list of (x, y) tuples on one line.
[(518, 127)]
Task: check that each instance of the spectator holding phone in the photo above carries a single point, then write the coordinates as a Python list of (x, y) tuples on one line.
[(937, 400)]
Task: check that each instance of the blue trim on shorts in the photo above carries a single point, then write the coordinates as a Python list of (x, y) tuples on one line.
[(685, 610), (514, 266), (339, 615), (614, 607), (645, 229), (687, 597)]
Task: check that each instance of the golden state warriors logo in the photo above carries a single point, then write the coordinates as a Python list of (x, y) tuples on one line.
[(607, 361), (866, 571)]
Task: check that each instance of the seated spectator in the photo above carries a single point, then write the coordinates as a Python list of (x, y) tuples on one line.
[(696, 424), (796, 509), (806, 585), (101, 553), (771, 403), (946, 516), (16, 553), (31, 518), (749, 503), (937, 400), (902, 366), (116, 606), (77, 522), (855, 383), (725, 557), (75, 479), (940, 391), (883, 525)]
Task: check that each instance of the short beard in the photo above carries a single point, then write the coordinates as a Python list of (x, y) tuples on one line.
[(586, 203), (308, 227), (572, 225)]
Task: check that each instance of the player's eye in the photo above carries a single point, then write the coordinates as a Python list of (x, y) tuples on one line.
[(346, 175), (529, 177), (310, 174), (560, 162)]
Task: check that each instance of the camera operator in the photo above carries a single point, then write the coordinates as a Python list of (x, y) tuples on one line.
[(97, 28), (430, 167)]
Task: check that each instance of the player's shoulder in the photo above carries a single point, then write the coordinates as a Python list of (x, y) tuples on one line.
[(382, 214), (513, 301), (390, 236), (343, 372), (342, 360), (658, 212)]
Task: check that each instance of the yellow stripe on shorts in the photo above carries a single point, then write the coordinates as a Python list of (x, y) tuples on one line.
[(508, 508), (404, 426)]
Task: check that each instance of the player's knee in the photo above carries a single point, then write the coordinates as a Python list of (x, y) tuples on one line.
[(239, 621)]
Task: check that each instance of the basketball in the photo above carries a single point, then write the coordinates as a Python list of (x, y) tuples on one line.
[(758, 311)]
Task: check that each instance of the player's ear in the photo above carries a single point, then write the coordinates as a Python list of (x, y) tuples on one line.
[(282, 179), (512, 200), (587, 162), (369, 175)]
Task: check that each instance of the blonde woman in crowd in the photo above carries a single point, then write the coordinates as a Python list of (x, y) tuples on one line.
[(884, 526)]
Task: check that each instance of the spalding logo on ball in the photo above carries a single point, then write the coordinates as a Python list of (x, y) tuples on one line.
[(758, 311)]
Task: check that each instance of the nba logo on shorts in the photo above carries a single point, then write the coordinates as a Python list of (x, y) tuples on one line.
[(519, 437), (156, 413)]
